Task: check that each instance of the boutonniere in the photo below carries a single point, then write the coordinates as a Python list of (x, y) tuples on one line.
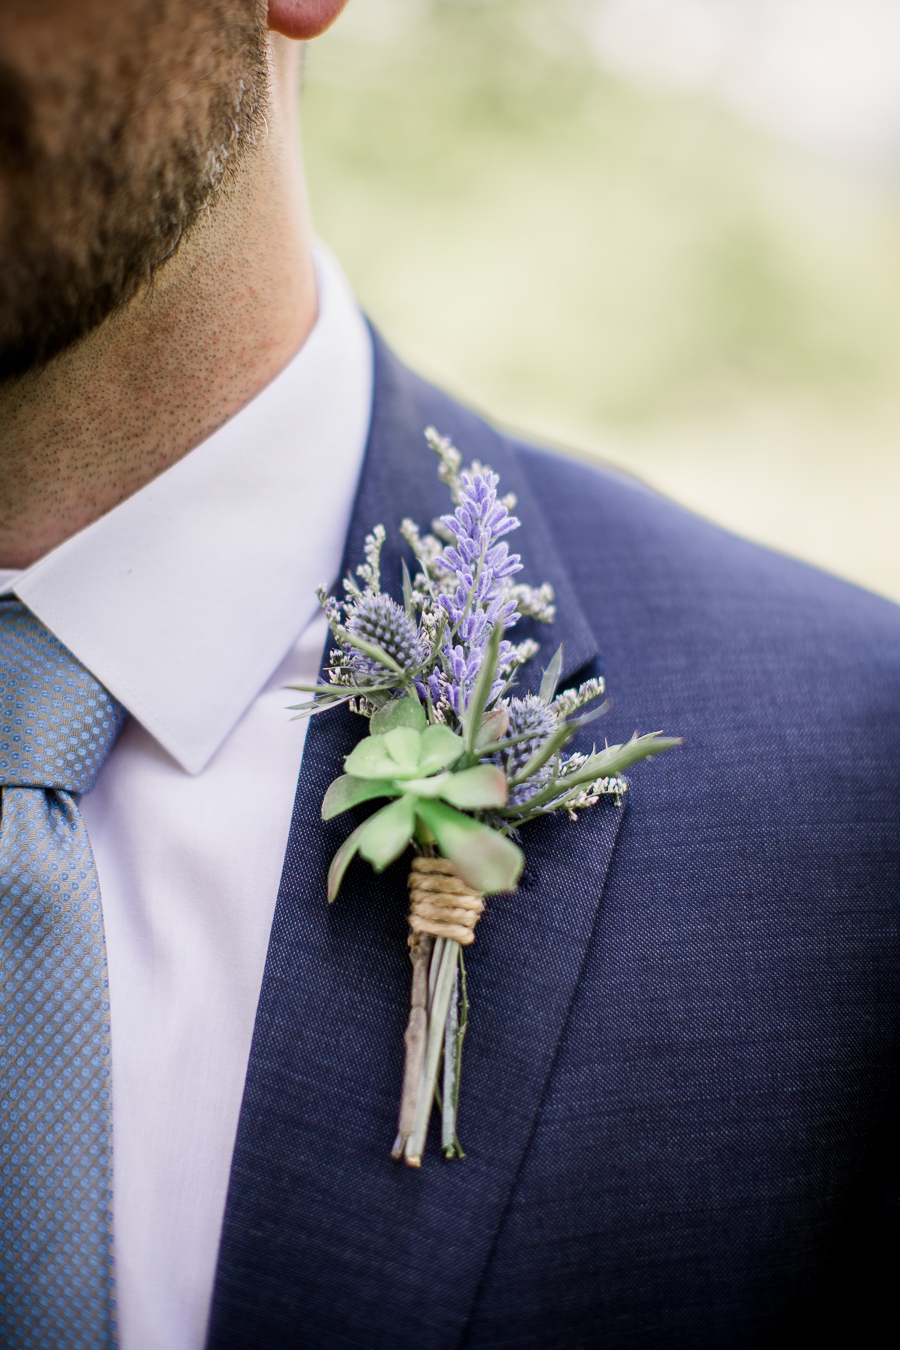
[(462, 761)]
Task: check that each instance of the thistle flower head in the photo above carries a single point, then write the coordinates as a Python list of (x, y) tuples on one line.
[(529, 716), (379, 619)]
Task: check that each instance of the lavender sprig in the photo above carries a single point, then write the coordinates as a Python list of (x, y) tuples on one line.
[(434, 644), (477, 563)]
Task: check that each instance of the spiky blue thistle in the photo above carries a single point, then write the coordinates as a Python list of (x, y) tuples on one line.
[(379, 619), (531, 717)]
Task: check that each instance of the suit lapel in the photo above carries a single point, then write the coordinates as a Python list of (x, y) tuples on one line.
[(326, 1242)]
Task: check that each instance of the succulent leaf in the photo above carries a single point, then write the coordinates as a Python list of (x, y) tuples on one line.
[(494, 727), (386, 834), (440, 748), (347, 791), (427, 787), (484, 858), (341, 860), (404, 745), (371, 759), (398, 712), (483, 788)]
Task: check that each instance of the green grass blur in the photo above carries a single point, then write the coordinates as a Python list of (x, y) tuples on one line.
[(629, 273)]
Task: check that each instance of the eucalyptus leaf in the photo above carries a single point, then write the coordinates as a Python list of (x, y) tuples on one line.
[(341, 860), (482, 690), (551, 677), (399, 712), (440, 748), (348, 791), (485, 859), (388, 832)]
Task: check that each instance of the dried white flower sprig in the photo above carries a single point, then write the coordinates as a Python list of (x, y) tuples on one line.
[(463, 761)]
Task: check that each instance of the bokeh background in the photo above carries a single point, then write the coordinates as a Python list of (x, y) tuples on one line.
[(661, 233)]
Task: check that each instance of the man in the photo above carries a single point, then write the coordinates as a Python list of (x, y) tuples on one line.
[(681, 1072)]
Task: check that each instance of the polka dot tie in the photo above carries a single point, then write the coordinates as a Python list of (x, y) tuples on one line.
[(57, 727)]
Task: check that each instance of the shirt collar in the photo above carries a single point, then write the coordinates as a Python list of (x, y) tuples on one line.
[(185, 598)]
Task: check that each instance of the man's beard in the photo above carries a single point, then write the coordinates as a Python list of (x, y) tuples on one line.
[(108, 158)]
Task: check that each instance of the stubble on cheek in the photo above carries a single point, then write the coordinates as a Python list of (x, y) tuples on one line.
[(110, 147)]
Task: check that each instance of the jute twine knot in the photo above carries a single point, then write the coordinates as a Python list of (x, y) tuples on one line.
[(441, 903)]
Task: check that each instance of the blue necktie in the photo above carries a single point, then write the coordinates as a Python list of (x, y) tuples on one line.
[(57, 727)]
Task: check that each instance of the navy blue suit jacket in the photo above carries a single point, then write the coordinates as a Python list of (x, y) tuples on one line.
[(680, 1087)]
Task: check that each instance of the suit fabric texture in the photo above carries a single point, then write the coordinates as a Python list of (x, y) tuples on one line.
[(680, 1083)]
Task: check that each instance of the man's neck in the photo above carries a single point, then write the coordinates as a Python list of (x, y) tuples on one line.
[(217, 323)]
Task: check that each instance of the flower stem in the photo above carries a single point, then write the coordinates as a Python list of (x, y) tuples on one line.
[(460, 1037), (415, 1038), (451, 1033), (443, 987), (433, 969)]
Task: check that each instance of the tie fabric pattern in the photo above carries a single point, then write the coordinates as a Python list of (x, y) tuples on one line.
[(57, 727)]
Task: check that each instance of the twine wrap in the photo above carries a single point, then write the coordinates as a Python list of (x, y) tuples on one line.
[(440, 903)]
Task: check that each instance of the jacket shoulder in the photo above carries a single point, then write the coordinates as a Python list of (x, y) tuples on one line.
[(610, 525)]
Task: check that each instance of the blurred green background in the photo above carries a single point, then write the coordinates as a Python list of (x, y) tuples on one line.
[(620, 268)]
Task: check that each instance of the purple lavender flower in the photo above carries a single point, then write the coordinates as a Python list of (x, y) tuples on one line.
[(464, 592), (379, 619), (480, 563)]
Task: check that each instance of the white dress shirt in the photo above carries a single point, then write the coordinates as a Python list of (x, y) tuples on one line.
[(193, 601)]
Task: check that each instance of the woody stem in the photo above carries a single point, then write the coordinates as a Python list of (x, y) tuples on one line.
[(443, 987), (415, 1038)]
